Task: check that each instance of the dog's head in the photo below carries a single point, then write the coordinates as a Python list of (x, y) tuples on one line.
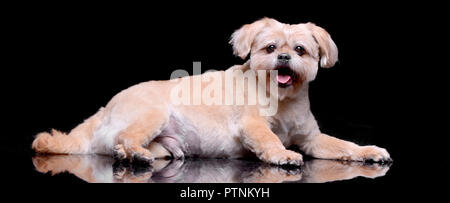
[(293, 50)]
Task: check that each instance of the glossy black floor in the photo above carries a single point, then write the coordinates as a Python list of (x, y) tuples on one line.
[(103, 169), (38, 168)]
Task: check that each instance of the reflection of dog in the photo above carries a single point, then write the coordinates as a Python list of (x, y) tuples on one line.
[(140, 123), (95, 168)]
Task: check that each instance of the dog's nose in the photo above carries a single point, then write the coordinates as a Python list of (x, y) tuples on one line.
[(284, 57)]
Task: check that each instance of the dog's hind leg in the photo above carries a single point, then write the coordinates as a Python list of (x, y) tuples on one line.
[(140, 133), (156, 149)]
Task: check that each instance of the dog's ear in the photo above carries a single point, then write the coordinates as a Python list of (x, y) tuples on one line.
[(327, 48), (242, 39)]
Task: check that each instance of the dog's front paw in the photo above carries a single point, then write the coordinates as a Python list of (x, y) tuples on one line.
[(282, 156), (373, 153)]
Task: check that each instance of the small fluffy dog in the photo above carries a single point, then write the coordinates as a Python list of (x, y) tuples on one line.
[(141, 123)]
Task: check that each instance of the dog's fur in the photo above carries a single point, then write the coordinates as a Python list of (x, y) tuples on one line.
[(140, 123)]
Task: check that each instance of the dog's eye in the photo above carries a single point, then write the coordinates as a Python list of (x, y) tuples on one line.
[(300, 50), (270, 48)]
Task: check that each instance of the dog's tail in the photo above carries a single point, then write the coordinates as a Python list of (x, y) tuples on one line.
[(76, 142)]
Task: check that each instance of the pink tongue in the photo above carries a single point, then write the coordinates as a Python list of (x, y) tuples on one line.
[(283, 78)]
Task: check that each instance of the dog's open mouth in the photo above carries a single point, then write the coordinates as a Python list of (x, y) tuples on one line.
[(286, 76)]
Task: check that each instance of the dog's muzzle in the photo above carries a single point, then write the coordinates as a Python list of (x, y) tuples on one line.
[(286, 76)]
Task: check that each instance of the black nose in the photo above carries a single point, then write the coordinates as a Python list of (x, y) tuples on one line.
[(284, 57)]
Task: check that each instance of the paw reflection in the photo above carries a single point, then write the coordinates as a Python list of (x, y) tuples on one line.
[(320, 171), (95, 168)]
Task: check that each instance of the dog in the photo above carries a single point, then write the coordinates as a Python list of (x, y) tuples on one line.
[(141, 123)]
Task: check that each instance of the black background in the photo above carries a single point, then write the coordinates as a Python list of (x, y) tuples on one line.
[(66, 61)]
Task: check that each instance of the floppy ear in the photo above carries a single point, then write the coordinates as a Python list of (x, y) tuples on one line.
[(327, 48), (242, 39)]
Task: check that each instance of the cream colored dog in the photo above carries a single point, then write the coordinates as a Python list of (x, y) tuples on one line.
[(141, 123)]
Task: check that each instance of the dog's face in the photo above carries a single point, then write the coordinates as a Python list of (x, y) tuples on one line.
[(293, 50)]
